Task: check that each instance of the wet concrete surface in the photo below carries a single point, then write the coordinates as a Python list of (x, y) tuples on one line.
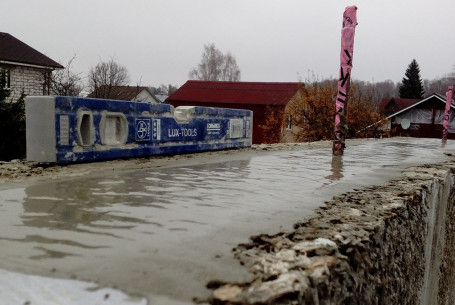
[(163, 233)]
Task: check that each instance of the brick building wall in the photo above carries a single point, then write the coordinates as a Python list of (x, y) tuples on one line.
[(31, 81)]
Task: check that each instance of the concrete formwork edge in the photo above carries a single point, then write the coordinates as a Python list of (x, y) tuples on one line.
[(389, 244)]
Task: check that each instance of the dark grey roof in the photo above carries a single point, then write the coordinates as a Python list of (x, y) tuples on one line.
[(15, 51)]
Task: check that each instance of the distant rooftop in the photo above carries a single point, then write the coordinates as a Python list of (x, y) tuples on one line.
[(14, 51), (270, 93), (161, 97), (124, 93), (398, 103)]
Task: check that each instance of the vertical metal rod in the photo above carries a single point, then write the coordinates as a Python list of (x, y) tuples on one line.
[(347, 49)]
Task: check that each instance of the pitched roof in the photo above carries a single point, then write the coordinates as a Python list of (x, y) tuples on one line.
[(434, 95), (125, 93), (235, 92), (400, 103), (161, 97), (14, 51)]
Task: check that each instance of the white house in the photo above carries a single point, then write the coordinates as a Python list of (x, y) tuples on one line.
[(125, 93), (24, 69)]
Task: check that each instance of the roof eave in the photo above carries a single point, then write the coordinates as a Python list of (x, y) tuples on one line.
[(15, 63), (418, 103)]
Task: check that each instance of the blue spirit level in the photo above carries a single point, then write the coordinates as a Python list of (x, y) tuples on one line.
[(72, 129)]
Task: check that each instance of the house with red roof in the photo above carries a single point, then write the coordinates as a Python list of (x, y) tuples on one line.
[(125, 93), (391, 105), (420, 118), (267, 100), (24, 69)]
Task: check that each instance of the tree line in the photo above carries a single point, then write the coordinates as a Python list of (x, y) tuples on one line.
[(313, 111), (215, 65), (412, 85), (218, 66)]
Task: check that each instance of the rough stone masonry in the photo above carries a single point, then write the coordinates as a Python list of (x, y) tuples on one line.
[(390, 244)]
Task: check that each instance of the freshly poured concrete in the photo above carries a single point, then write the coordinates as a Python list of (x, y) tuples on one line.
[(163, 233), (18, 288)]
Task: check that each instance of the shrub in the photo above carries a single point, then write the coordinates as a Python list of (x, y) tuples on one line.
[(12, 126)]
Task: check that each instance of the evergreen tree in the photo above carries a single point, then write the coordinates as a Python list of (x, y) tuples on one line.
[(411, 85)]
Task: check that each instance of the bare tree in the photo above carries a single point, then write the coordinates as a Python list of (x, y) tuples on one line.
[(65, 82), (440, 84), (164, 89), (215, 66), (376, 91), (230, 71), (105, 76)]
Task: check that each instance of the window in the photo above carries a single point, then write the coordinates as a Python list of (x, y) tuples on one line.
[(289, 123), (5, 78)]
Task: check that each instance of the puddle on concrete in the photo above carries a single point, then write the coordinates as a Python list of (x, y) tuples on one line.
[(167, 231)]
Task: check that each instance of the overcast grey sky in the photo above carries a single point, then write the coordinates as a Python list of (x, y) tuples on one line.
[(159, 41)]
